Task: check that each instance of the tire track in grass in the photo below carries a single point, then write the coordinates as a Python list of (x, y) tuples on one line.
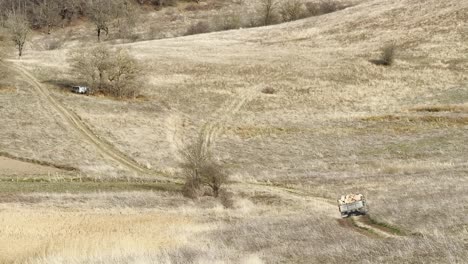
[(362, 224)]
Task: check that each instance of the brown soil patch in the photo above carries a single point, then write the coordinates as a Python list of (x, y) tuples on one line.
[(10, 167), (7, 89)]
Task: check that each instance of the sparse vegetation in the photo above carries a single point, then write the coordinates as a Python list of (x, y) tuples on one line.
[(4, 45), (268, 90), (19, 29), (227, 22), (198, 28), (107, 71), (47, 15), (323, 7), (201, 169), (334, 125), (53, 43), (292, 10), (268, 12), (388, 54)]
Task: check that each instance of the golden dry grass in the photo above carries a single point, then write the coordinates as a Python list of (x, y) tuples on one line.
[(73, 234), (336, 124)]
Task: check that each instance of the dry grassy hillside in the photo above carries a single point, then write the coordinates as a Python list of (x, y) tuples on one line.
[(332, 122)]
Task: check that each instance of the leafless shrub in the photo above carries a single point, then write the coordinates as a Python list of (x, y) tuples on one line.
[(324, 7), (47, 15), (198, 28), (107, 71), (165, 2), (292, 10), (268, 12), (268, 90), (4, 45), (19, 29), (227, 199), (388, 54), (103, 12), (201, 169), (53, 43), (213, 5), (227, 22)]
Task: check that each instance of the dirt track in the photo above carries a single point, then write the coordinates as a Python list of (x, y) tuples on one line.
[(211, 131), (81, 128)]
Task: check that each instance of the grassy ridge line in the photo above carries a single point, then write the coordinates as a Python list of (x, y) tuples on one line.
[(77, 184)]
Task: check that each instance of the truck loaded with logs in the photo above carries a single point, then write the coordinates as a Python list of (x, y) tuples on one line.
[(352, 204)]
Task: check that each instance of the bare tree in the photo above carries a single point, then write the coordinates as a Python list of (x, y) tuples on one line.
[(111, 72), (126, 19), (267, 11), (292, 10), (47, 14), (19, 28), (201, 169), (122, 74), (3, 44), (103, 12)]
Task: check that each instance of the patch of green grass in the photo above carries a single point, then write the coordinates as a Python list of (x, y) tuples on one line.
[(11, 185), (353, 222), (393, 229)]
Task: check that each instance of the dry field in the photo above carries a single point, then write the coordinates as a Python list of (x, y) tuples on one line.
[(335, 123)]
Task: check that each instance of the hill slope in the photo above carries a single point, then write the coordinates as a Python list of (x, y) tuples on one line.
[(334, 123)]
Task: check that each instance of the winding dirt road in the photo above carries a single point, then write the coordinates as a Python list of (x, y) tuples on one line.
[(75, 122)]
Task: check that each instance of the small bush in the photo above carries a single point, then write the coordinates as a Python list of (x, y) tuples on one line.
[(112, 72), (165, 2), (192, 188), (267, 12), (268, 90), (53, 44), (292, 10), (227, 199), (228, 22), (198, 28), (201, 170), (321, 8), (388, 55)]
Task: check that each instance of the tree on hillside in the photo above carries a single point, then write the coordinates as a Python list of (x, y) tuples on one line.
[(103, 12), (3, 44), (292, 10), (201, 169), (267, 11), (126, 18), (47, 14), (18, 28), (107, 71)]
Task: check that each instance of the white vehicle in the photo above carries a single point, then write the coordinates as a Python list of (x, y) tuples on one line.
[(352, 204), (80, 89)]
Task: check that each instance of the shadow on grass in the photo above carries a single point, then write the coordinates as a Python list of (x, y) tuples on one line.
[(380, 62)]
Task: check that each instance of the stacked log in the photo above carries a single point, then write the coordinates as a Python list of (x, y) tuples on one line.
[(350, 198)]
